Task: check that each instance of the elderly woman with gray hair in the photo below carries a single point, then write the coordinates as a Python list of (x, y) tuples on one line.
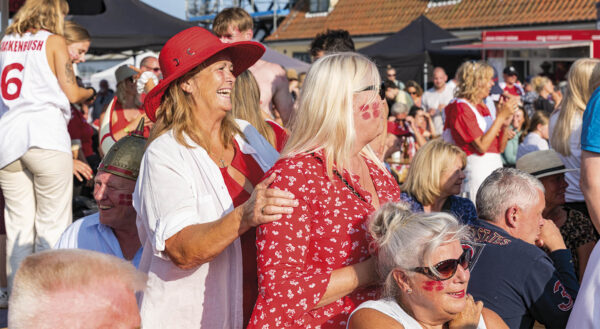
[(424, 264)]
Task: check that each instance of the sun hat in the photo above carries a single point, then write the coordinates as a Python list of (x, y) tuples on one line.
[(542, 163), (123, 72), (192, 47)]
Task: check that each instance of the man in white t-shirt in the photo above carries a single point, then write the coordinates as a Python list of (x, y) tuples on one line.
[(149, 75), (436, 98)]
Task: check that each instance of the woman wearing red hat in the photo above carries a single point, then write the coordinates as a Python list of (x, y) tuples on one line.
[(198, 195), (314, 265)]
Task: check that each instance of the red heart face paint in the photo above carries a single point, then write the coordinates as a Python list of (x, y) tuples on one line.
[(125, 199), (364, 108), (376, 111), (433, 285), (366, 116)]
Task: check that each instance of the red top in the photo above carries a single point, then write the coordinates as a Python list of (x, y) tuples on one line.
[(513, 90), (245, 164), (327, 231), (397, 128), (80, 129), (280, 135), (462, 123), (121, 122)]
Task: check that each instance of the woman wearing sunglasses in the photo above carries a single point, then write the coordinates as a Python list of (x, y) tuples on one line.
[(424, 266)]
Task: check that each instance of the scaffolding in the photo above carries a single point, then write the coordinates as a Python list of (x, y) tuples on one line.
[(266, 13)]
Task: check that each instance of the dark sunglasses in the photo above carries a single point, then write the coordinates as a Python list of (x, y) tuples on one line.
[(412, 93), (447, 268), (156, 69)]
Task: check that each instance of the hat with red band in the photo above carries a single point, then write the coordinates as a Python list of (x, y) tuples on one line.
[(125, 156), (192, 47)]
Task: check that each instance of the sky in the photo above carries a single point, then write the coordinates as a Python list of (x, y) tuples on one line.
[(172, 7)]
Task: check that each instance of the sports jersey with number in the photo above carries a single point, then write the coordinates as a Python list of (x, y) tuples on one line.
[(34, 111)]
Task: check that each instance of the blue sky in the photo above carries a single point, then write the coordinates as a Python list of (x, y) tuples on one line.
[(172, 7)]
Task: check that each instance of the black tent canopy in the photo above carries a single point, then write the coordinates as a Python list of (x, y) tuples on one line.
[(128, 25), (415, 48)]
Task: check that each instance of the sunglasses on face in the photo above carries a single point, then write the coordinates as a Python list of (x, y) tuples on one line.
[(412, 92), (447, 268)]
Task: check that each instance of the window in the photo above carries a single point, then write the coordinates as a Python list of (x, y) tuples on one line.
[(318, 6)]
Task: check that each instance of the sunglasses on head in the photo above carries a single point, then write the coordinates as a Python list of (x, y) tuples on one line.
[(447, 268), (367, 88)]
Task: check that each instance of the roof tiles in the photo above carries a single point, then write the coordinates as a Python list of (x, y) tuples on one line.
[(372, 17)]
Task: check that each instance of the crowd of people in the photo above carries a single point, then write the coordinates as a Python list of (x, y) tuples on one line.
[(229, 193)]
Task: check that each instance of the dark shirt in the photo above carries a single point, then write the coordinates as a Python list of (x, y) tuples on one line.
[(462, 208), (543, 104), (520, 282)]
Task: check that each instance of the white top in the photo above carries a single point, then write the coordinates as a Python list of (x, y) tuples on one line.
[(432, 99), (178, 187), (34, 111), (532, 142), (88, 233), (391, 308), (586, 313), (573, 161), (143, 79)]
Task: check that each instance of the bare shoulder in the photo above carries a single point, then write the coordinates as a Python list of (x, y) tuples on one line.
[(55, 41), (492, 319), (368, 318)]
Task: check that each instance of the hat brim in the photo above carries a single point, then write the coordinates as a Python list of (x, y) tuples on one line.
[(242, 54), (552, 172)]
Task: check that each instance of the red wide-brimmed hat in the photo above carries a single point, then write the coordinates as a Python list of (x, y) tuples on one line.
[(190, 48)]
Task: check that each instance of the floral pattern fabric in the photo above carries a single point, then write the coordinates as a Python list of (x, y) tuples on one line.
[(327, 231)]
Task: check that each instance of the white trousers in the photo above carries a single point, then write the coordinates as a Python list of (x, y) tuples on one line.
[(477, 169), (38, 190)]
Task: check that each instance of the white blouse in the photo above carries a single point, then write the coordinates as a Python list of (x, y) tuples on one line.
[(178, 187)]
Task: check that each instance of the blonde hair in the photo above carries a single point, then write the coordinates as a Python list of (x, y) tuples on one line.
[(36, 15), (235, 17), (583, 78), (44, 278), (471, 78), (428, 165), (405, 240), (539, 82), (176, 111), (75, 33), (245, 101), (324, 119)]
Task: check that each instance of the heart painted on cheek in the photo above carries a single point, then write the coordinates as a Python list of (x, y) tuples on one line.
[(125, 199), (433, 285), (364, 108), (366, 116)]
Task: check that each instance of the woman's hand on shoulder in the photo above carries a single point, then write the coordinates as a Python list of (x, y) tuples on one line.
[(469, 317), (266, 205), (368, 318)]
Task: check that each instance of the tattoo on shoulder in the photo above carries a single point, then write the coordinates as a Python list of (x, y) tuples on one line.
[(69, 72)]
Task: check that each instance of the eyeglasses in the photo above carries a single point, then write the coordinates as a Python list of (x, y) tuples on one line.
[(155, 69), (447, 268), (412, 92)]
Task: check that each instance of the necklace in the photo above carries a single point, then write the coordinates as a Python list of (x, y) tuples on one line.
[(343, 181), (219, 161)]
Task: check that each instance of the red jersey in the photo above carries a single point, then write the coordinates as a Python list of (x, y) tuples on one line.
[(462, 123)]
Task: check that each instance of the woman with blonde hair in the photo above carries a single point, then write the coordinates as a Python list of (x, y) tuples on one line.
[(565, 125), (314, 265), (537, 135), (434, 181), (424, 263), (78, 41), (199, 194), (548, 99), (35, 159), (245, 102), (473, 128)]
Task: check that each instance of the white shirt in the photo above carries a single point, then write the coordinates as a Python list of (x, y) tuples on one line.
[(532, 142), (586, 313), (432, 99), (391, 308), (573, 161), (143, 79), (88, 233), (178, 187), (34, 111)]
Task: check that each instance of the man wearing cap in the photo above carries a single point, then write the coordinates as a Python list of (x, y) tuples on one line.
[(234, 25), (112, 230), (576, 228), (512, 276), (511, 84)]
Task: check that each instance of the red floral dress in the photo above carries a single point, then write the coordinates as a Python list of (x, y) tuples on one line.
[(327, 231)]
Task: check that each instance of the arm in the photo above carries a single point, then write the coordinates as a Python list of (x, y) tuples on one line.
[(590, 184), (197, 244), (505, 111), (583, 255), (345, 280), (506, 133), (368, 318), (492, 320), (62, 67), (282, 99)]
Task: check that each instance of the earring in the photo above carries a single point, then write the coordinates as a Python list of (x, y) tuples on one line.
[(408, 291)]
